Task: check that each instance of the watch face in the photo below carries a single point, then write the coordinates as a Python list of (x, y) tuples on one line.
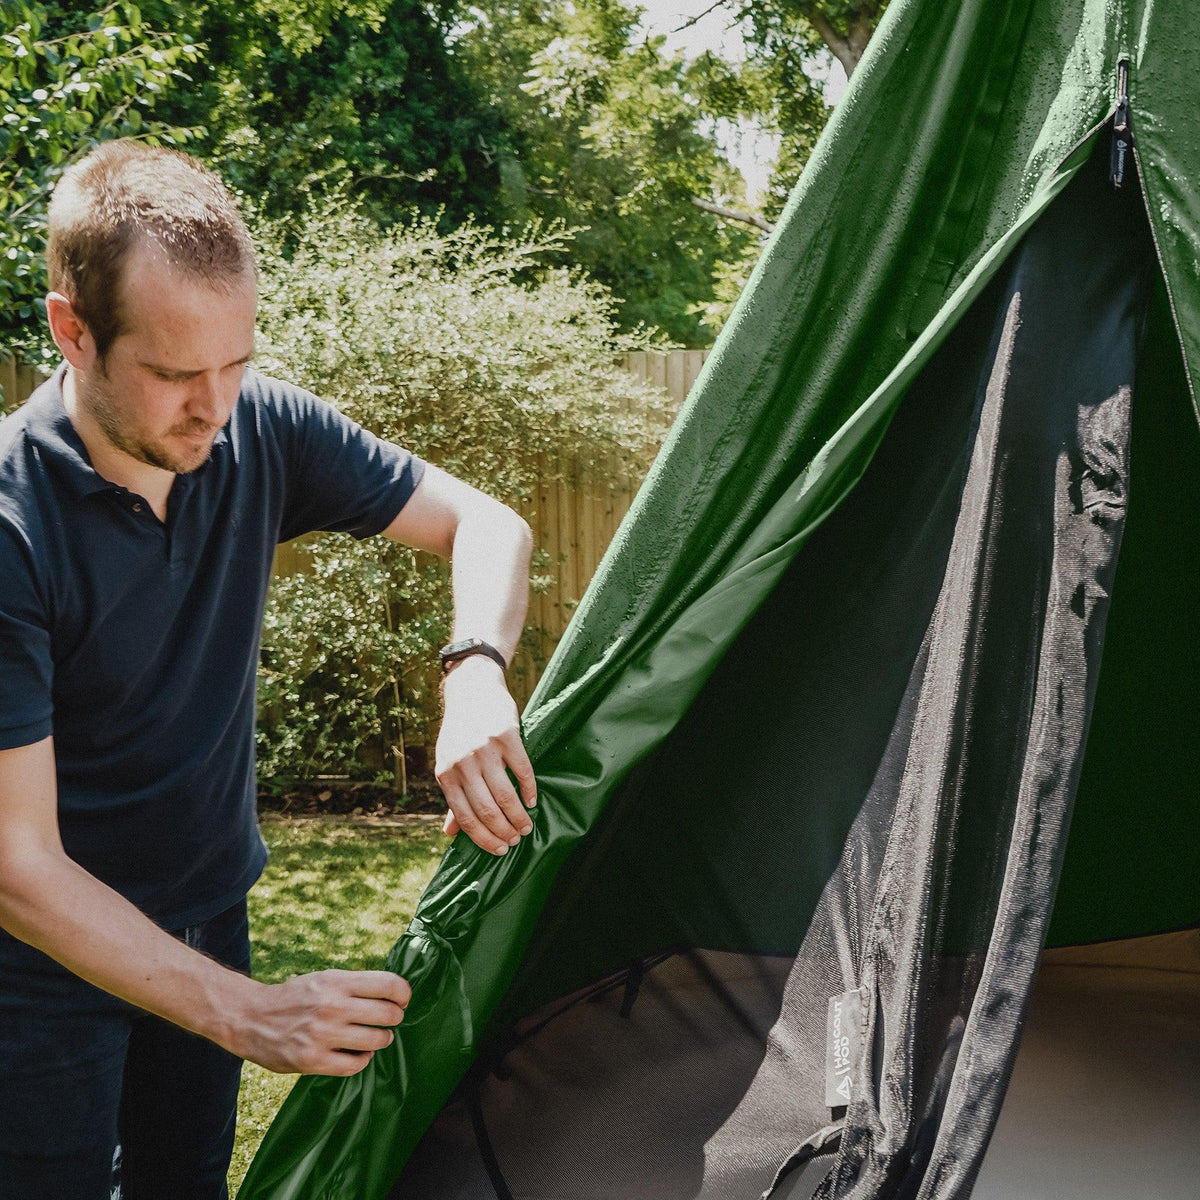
[(459, 647)]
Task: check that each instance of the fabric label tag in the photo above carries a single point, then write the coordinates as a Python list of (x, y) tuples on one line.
[(843, 1044)]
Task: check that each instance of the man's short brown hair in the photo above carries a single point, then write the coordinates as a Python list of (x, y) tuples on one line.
[(124, 192)]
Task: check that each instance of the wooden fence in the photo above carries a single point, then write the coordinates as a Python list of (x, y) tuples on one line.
[(17, 381), (573, 515)]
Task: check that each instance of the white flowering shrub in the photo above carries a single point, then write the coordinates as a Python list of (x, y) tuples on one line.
[(478, 353)]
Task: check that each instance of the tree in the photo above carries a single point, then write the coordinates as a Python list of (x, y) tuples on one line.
[(507, 111), (304, 96), (605, 132), (67, 83), (781, 88), (789, 35), (781, 85)]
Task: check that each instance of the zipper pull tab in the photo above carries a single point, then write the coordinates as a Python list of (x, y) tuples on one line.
[(1122, 141)]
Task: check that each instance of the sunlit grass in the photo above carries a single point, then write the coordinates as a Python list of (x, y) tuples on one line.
[(333, 895)]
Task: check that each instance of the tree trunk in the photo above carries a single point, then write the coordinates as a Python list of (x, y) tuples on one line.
[(846, 48), (858, 37)]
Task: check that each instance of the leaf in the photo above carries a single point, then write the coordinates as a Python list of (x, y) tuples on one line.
[(77, 90)]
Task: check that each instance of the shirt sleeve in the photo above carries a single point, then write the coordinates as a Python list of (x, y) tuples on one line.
[(26, 665), (338, 476)]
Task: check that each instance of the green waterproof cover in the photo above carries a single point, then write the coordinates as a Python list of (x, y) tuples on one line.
[(962, 125)]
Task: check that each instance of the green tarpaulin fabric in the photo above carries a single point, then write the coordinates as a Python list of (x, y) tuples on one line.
[(962, 125)]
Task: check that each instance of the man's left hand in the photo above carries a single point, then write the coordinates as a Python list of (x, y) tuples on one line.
[(479, 743)]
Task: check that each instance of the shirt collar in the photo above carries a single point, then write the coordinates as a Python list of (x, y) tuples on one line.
[(50, 428)]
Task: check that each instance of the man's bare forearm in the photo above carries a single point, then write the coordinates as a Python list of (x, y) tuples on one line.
[(52, 903), (480, 739), (329, 1022), (489, 547), (479, 743), (490, 565)]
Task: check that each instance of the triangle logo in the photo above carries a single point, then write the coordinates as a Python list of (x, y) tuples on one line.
[(843, 1088)]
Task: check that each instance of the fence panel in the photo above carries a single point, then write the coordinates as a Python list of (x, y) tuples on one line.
[(17, 381)]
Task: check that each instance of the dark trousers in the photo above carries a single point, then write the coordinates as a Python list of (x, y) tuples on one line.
[(87, 1081)]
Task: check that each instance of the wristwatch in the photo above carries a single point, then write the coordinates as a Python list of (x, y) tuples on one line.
[(455, 651)]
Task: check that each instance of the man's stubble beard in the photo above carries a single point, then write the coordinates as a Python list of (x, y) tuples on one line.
[(106, 412)]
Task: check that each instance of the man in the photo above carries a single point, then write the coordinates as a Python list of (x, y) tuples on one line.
[(142, 490)]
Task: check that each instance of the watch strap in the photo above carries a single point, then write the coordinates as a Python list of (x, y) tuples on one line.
[(456, 651)]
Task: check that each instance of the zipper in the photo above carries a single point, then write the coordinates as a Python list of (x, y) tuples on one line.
[(1122, 140)]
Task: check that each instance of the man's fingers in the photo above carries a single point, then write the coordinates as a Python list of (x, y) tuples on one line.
[(364, 1038), (483, 802), (496, 781), (518, 762), (383, 1013), (328, 1062), (323, 1023), (341, 1063), (484, 805), (374, 985), (466, 819)]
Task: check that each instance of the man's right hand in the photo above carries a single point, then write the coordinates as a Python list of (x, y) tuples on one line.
[(326, 1023)]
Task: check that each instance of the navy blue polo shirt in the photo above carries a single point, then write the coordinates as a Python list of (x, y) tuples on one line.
[(135, 643)]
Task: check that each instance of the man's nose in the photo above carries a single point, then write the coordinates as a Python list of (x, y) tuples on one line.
[(207, 400)]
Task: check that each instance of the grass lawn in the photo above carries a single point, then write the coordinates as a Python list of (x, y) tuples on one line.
[(335, 894)]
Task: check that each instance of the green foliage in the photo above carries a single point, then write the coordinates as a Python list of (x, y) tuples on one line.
[(780, 88), (301, 25), (343, 655), (303, 96), (729, 281), (478, 354), (791, 39), (782, 82), (61, 94), (604, 131), (504, 111)]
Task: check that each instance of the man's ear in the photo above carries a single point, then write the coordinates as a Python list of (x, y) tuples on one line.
[(70, 332)]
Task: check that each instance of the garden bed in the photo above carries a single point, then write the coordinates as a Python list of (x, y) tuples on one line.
[(346, 798)]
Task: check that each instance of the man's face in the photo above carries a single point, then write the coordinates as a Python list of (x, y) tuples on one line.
[(169, 382)]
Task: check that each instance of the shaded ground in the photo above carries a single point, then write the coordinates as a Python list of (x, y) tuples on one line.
[(325, 797)]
